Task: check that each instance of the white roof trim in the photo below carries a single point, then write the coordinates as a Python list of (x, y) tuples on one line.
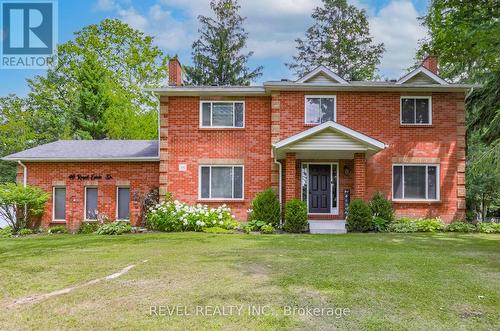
[(83, 159), (376, 144), (324, 70), (424, 71)]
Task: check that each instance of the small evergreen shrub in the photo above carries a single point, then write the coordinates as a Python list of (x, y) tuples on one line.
[(488, 227), (25, 232), (429, 225), (459, 226), (116, 228), (359, 217), (267, 229), (381, 207), (58, 229), (295, 216), (217, 230), (403, 225), (266, 207), (6, 232), (88, 227)]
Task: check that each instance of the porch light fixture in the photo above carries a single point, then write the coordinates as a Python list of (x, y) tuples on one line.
[(347, 170)]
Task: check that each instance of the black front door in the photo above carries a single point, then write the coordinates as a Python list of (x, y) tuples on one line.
[(319, 188)]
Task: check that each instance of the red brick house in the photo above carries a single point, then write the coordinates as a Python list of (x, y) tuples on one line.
[(319, 138)]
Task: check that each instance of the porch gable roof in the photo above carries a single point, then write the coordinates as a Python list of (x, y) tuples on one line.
[(329, 136)]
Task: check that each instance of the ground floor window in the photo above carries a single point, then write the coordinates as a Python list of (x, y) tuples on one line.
[(415, 182), (91, 203), (122, 203), (221, 182), (59, 204)]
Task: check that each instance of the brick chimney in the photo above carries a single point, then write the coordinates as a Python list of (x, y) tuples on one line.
[(431, 62), (174, 72)]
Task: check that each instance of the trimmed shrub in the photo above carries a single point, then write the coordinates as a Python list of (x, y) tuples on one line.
[(381, 207), (25, 232), (359, 217), (267, 229), (459, 226), (488, 227), (88, 227), (403, 225), (429, 225), (116, 228), (295, 216), (6, 232), (174, 216), (58, 229), (266, 207)]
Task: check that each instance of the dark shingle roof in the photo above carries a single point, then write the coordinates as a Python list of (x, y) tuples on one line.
[(100, 150)]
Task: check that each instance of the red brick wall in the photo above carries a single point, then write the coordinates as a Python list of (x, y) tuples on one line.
[(139, 176)]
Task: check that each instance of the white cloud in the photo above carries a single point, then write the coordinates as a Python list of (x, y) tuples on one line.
[(273, 26), (397, 26)]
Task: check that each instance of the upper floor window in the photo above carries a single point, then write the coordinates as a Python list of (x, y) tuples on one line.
[(415, 182), (222, 114), (320, 109), (416, 110)]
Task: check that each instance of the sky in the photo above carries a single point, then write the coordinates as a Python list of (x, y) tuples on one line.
[(273, 26)]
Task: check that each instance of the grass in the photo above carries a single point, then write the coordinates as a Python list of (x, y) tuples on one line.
[(387, 281)]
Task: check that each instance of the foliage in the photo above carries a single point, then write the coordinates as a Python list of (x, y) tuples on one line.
[(20, 205), (218, 57), (217, 230), (25, 232), (145, 201), (175, 216), (255, 224), (267, 229), (459, 226), (115, 228), (429, 225), (379, 224), (359, 217), (295, 216), (6, 232), (58, 229), (102, 71), (266, 207), (382, 207), (488, 227), (340, 40), (88, 227), (402, 225)]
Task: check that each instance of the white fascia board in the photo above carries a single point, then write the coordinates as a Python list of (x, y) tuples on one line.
[(324, 70), (424, 71)]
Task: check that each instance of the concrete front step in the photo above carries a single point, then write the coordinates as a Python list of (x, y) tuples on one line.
[(327, 227)]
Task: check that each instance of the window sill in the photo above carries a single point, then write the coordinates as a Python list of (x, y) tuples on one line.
[(219, 200), (416, 125), (220, 128), (417, 201), (58, 222), (89, 221)]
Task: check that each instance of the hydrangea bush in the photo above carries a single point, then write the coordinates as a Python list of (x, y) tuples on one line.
[(173, 216)]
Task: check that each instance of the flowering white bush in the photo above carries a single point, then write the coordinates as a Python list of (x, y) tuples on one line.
[(173, 216)]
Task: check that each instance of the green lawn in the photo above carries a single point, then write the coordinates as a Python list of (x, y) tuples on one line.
[(387, 281)]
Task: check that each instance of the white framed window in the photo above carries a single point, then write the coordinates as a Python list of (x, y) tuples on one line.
[(123, 203), (415, 182), (416, 110), (221, 182), (59, 203), (320, 109), (222, 114), (91, 210)]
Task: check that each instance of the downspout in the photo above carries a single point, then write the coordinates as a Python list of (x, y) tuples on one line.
[(279, 191), (25, 173)]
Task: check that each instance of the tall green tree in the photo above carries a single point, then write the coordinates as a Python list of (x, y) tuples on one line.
[(340, 40), (465, 35), (125, 61), (218, 57)]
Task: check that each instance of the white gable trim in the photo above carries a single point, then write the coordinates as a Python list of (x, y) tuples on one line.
[(322, 70), (424, 71), (378, 145)]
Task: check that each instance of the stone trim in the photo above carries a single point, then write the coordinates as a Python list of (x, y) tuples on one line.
[(418, 160), (221, 161)]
